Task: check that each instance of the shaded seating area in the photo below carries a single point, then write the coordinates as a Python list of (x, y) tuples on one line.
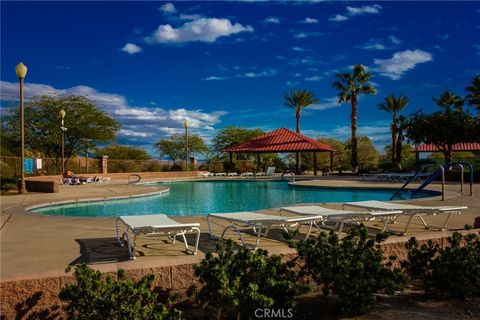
[(282, 141)]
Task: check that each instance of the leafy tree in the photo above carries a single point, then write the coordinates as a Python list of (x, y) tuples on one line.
[(174, 146), (444, 128), (123, 152), (230, 136), (85, 123), (340, 158), (394, 105), (350, 87), (473, 96), (368, 156), (406, 152)]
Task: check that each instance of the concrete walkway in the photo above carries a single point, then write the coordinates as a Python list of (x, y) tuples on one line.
[(35, 245)]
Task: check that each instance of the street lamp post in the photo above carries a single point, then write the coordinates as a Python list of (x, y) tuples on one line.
[(21, 71), (185, 125), (62, 116)]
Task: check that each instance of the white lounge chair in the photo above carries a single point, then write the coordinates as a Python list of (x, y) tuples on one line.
[(232, 174), (155, 225), (340, 217), (247, 174), (220, 174), (258, 222), (410, 211), (205, 174)]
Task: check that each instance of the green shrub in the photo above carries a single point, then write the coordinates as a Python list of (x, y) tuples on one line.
[(246, 280), (453, 271), (96, 297), (354, 268), (176, 167)]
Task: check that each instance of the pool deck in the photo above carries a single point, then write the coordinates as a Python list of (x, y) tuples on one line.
[(35, 246)]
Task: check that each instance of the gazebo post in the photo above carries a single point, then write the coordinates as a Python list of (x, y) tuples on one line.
[(417, 157), (331, 161), (258, 160), (314, 163), (230, 155)]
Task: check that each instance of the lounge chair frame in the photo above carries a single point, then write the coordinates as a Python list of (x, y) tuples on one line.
[(341, 217), (161, 226), (260, 223), (411, 211)]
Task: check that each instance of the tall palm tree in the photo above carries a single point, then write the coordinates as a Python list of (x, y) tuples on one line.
[(449, 101), (394, 105), (299, 100), (350, 86), (473, 96)]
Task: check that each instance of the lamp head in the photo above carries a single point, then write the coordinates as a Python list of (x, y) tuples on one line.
[(21, 70), (185, 124), (62, 114)]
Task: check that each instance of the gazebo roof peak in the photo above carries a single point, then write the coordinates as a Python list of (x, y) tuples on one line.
[(280, 140)]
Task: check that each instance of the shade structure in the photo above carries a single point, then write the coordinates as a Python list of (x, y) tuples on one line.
[(474, 146), (282, 140)]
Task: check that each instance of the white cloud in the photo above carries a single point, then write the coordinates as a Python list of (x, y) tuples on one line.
[(168, 8), (213, 78), (138, 123), (395, 40), (190, 16), (131, 48), (401, 62), (327, 104), (303, 35), (264, 73), (373, 9), (272, 20), (299, 49), (313, 78), (310, 20), (379, 44), (339, 18), (374, 44), (204, 29)]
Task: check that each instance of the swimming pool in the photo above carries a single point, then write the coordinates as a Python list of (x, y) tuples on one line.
[(187, 198)]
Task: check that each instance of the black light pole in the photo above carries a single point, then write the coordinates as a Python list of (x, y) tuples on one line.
[(21, 71), (185, 125), (62, 116)]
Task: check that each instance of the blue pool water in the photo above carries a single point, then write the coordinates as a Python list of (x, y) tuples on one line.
[(203, 197)]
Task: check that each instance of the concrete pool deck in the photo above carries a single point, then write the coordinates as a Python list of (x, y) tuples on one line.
[(35, 246)]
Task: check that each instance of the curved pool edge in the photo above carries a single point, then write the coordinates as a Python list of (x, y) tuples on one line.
[(30, 208)]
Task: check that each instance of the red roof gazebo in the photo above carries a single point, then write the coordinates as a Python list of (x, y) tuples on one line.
[(283, 140), (463, 146)]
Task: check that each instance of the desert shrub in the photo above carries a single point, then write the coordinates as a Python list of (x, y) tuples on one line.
[(9, 187), (354, 268), (245, 281), (453, 271), (203, 167), (166, 167), (96, 297), (152, 166), (176, 167)]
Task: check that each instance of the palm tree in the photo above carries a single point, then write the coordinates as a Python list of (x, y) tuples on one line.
[(350, 87), (299, 100), (473, 96), (449, 101), (395, 105)]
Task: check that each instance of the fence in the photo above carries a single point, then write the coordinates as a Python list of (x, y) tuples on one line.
[(10, 166)]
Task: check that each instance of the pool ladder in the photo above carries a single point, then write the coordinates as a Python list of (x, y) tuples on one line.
[(134, 176), (432, 177)]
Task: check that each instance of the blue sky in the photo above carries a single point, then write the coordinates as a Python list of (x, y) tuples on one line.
[(154, 64)]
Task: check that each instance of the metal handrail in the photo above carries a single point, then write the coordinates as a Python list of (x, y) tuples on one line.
[(470, 167), (134, 175)]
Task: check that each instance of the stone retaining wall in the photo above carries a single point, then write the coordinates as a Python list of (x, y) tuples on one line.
[(33, 297)]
